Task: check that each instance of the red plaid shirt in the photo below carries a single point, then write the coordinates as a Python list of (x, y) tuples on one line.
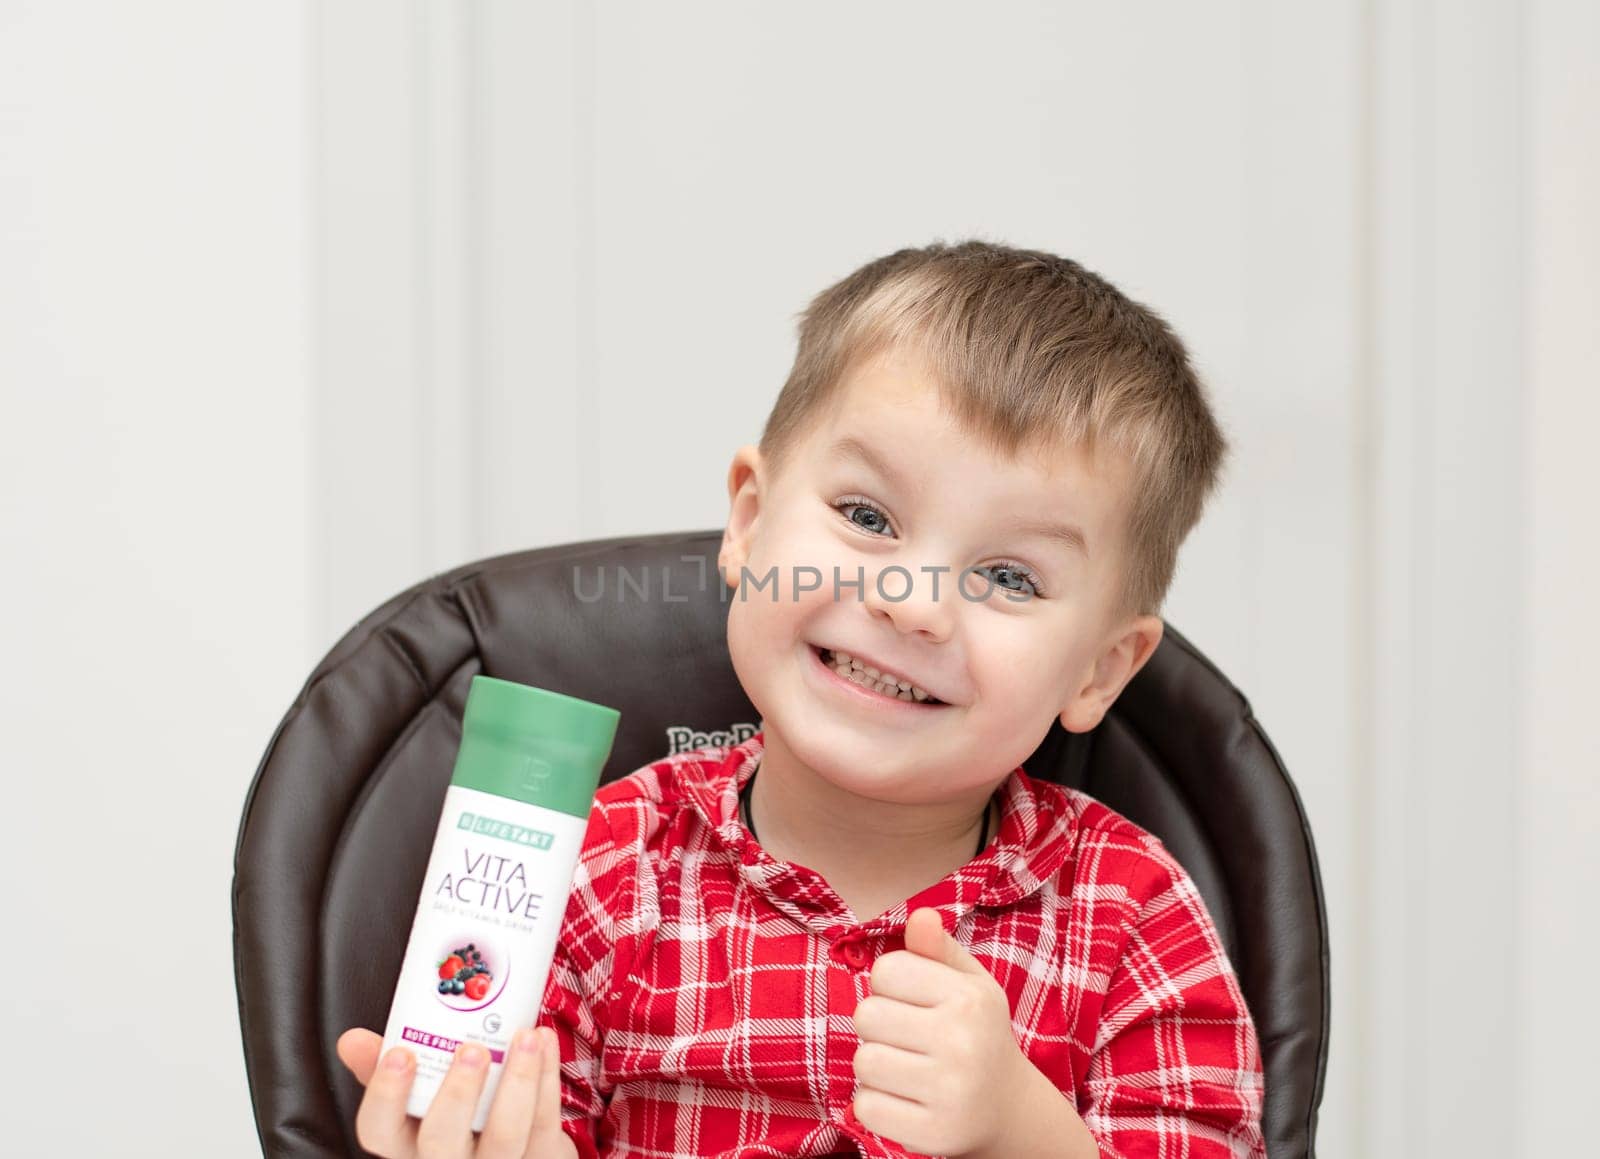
[(704, 992)]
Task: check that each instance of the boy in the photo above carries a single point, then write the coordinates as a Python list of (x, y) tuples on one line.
[(970, 492)]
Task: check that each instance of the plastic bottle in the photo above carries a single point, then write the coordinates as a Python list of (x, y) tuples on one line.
[(498, 878)]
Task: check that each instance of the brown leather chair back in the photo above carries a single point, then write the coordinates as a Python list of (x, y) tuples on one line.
[(340, 817)]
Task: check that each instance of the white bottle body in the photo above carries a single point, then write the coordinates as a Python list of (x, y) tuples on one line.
[(498, 879)]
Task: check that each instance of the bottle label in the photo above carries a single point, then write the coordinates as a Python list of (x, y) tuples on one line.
[(484, 934)]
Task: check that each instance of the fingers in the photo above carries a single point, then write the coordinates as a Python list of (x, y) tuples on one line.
[(547, 1132), (895, 1072), (524, 1119), (446, 1130), (911, 978), (358, 1049), (381, 1123), (896, 1023), (890, 1115), (507, 1131)]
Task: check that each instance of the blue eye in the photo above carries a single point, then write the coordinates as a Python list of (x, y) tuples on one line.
[(857, 501), (1017, 569), (881, 523)]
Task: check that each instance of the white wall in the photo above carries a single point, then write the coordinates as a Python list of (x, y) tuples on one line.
[(1555, 1069), (301, 303), (630, 202), (1430, 987), (1334, 205), (154, 466)]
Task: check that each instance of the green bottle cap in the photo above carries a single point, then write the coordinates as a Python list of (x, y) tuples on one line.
[(533, 745)]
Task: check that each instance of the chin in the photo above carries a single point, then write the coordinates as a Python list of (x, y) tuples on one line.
[(849, 761)]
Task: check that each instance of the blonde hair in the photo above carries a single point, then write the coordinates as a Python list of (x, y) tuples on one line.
[(1027, 350)]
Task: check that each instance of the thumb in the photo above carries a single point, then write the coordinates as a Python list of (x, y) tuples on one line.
[(926, 935)]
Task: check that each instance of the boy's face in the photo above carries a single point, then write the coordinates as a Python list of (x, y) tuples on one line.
[(1005, 665)]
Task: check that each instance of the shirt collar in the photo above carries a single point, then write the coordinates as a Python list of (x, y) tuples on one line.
[(1037, 828)]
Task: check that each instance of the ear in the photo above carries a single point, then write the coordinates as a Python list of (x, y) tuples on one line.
[(746, 477), (1131, 646)]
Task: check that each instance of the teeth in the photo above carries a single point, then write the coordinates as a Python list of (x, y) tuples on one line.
[(869, 677)]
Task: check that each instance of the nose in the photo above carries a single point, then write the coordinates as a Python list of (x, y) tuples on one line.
[(913, 601)]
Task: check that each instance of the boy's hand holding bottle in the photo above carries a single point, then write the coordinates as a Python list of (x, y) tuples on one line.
[(524, 1120)]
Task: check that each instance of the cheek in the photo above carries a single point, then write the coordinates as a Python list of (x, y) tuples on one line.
[(761, 630), (806, 562), (744, 633), (741, 645), (1022, 664)]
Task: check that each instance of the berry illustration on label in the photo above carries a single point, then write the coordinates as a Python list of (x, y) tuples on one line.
[(467, 977)]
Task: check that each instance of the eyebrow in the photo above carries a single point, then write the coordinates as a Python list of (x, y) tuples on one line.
[(1063, 533), (851, 447)]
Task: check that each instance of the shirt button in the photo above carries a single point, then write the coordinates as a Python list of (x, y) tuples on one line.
[(855, 954)]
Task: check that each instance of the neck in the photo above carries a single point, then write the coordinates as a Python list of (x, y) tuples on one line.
[(803, 818)]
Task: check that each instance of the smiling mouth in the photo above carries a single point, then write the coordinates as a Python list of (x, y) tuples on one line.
[(857, 673)]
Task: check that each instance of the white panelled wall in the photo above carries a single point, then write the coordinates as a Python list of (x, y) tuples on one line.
[(1332, 207), (299, 309), (155, 522), (1554, 1067)]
